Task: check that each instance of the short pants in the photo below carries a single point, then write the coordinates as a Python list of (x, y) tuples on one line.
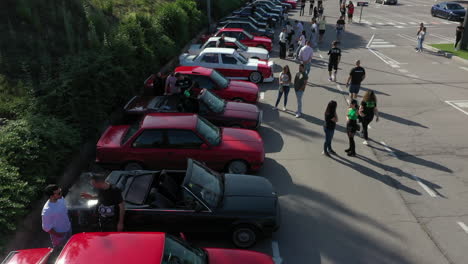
[(321, 32), (354, 88), (332, 65), (350, 15)]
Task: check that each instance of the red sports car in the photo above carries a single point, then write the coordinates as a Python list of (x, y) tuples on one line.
[(242, 36), (167, 140), (138, 247)]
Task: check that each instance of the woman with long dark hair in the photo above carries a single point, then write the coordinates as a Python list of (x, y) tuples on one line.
[(329, 127), (351, 127), (367, 110), (284, 84)]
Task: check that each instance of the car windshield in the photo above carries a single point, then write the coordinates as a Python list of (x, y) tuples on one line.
[(131, 131), (248, 35), (206, 185), (219, 79), (178, 251), (209, 131), (241, 46), (213, 102), (454, 7), (241, 57)]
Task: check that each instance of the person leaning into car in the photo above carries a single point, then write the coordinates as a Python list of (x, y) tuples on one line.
[(111, 207)]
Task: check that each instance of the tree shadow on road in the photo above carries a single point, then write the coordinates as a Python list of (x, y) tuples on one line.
[(400, 120)]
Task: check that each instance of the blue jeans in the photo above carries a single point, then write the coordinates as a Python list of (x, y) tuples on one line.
[(307, 67), (299, 95), (420, 44), (280, 94), (338, 34), (328, 139), (299, 47)]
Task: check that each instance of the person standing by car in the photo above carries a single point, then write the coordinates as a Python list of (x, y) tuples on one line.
[(356, 76), (305, 56), (300, 82), (340, 27), (183, 83), (111, 206), (315, 32), (351, 127), (303, 3), (367, 110), (311, 7), (343, 9), (458, 35), (421, 36), (282, 41), (301, 41), (350, 8), (333, 60), (284, 85), (322, 27), (170, 84), (329, 127), (290, 31), (55, 219), (221, 43), (320, 10)]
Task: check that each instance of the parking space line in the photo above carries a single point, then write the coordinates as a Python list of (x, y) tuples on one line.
[(463, 226), (464, 68), (276, 253), (456, 107)]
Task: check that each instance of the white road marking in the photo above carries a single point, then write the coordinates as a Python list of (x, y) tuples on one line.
[(276, 253), (262, 95), (321, 56), (373, 27), (463, 226), (403, 70), (383, 46), (435, 62), (464, 68), (399, 26), (412, 23), (452, 103), (443, 37), (388, 149), (370, 41), (379, 23), (412, 75), (378, 40)]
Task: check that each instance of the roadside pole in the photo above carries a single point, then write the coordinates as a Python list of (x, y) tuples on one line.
[(464, 40), (208, 11), (362, 5)]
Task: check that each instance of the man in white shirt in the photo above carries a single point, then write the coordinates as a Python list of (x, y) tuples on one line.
[(55, 219), (315, 32), (299, 27), (282, 42), (305, 56)]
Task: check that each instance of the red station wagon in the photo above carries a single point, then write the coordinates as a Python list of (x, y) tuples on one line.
[(242, 36), (167, 140), (138, 247)]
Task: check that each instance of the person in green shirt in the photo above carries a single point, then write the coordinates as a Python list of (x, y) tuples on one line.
[(351, 127), (300, 82)]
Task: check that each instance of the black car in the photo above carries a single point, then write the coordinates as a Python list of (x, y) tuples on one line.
[(251, 19), (197, 200), (207, 104), (246, 12), (449, 10), (249, 27)]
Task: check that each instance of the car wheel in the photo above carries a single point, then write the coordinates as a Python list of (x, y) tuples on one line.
[(432, 13), (255, 77), (260, 46), (133, 166), (237, 167), (239, 100), (244, 236), (449, 17)]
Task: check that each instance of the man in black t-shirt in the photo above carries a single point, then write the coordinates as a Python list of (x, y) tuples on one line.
[(458, 34), (334, 59), (110, 207), (221, 43), (340, 27), (356, 76)]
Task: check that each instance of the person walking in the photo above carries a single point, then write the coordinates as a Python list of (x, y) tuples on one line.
[(356, 76), (315, 13), (322, 27), (421, 36), (340, 27), (111, 206), (315, 32), (367, 111), (290, 32), (300, 82), (458, 35), (284, 85), (303, 3), (333, 60), (320, 10), (343, 9), (301, 41), (311, 7), (329, 128), (283, 41), (170, 87), (351, 127), (55, 219), (305, 56), (350, 8)]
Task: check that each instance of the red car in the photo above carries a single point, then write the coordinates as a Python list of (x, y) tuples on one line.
[(167, 140), (207, 104), (138, 247), (242, 36)]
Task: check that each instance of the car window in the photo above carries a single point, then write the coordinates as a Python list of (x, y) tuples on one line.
[(203, 82), (228, 59), (177, 251), (209, 131), (149, 139), (139, 189), (205, 184), (454, 6), (240, 36), (219, 79), (131, 131), (213, 102), (210, 58), (241, 46), (183, 139), (211, 44)]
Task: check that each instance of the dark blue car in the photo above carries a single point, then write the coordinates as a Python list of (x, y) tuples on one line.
[(448, 10)]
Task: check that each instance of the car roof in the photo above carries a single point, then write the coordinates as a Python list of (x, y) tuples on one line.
[(219, 50), (227, 39), (169, 120), (231, 29), (114, 247), (194, 70)]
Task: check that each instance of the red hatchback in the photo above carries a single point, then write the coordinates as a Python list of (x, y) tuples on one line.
[(242, 36), (141, 248), (167, 140)]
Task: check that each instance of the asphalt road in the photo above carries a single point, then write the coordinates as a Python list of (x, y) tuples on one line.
[(403, 198)]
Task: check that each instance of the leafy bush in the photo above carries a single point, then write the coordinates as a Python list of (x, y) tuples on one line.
[(174, 21)]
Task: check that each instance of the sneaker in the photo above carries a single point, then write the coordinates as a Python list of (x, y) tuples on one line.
[(330, 79), (275, 108), (284, 108), (347, 150), (298, 115), (332, 152), (365, 142), (352, 154)]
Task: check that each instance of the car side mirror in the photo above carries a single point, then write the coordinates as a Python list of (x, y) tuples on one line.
[(182, 235), (204, 146)]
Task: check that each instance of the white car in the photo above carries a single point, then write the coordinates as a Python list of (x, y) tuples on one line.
[(231, 64), (248, 52)]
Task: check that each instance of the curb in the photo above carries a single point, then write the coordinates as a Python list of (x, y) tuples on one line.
[(446, 54)]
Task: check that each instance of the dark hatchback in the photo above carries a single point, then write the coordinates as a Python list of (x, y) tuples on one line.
[(207, 104), (449, 10), (251, 19), (249, 27), (198, 200)]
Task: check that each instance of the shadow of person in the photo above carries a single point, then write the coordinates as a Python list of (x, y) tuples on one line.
[(400, 120), (272, 140)]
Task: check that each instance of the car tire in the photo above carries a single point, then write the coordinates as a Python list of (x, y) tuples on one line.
[(255, 77), (237, 167), (244, 236), (432, 13), (239, 100), (133, 166)]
